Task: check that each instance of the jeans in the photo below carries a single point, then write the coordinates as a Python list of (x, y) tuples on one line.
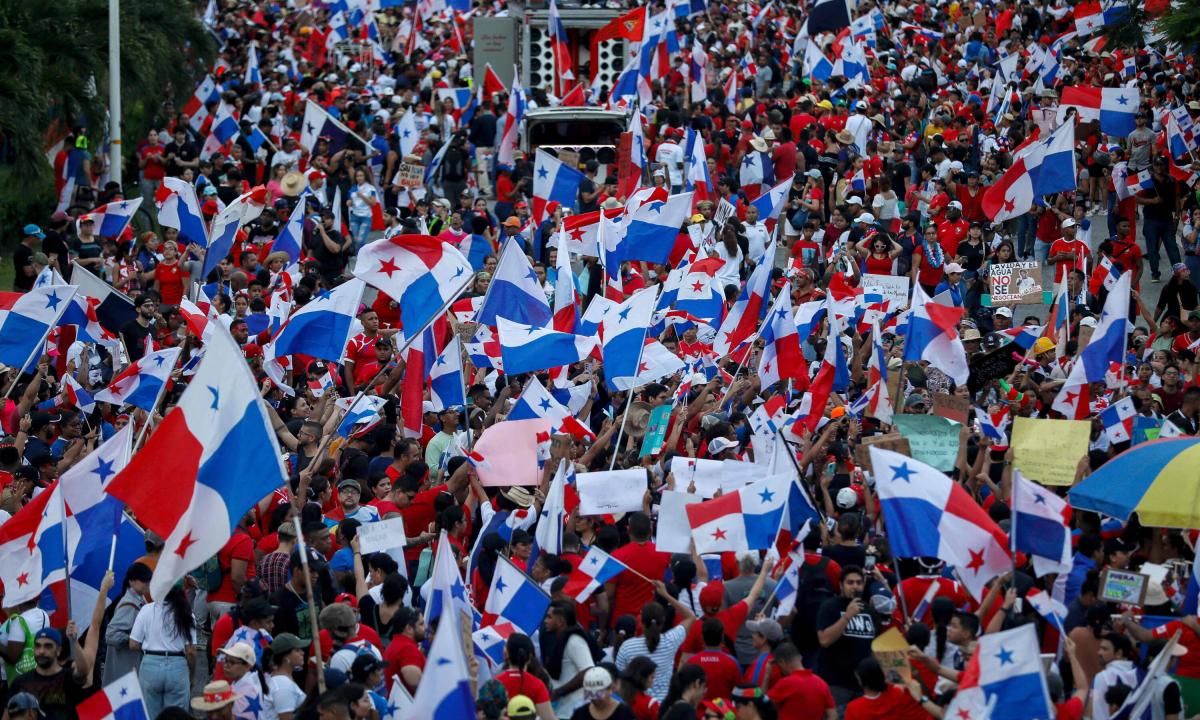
[(360, 225), (165, 683), (1156, 232), (1026, 232)]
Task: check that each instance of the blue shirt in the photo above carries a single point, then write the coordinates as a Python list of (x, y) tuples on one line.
[(1081, 565)]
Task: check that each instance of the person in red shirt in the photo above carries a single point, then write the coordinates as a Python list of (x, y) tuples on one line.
[(403, 654), (520, 674), (883, 701), (237, 567), (168, 275), (1125, 251), (150, 160), (952, 229), (719, 666), (712, 598), (1068, 252), (360, 351), (800, 694), (629, 592), (766, 634), (784, 155)]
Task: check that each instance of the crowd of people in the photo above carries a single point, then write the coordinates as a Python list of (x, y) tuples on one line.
[(892, 176)]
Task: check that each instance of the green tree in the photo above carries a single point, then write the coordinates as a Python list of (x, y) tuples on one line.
[(57, 55)]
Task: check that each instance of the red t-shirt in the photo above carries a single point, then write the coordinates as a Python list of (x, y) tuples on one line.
[(632, 591), (926, 274), (892, 704), (155, 168), (1189, 665), (402, 651), (361, 351), (1077, 247), (802, 696), (170, 282), (721, 670), (1072, 709), (950, 234), (239, 547), (516, 683), (913, 589), (732, 617), (418, 515)]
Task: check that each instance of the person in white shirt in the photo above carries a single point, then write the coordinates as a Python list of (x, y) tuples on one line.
[(165, 633), (287, 656), (756, 235), (1115, 652), (728, 250), (670, 155), (566, 654), (859, 125)]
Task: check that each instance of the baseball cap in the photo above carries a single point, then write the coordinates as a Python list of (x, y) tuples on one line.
[(240, 651), (34, 230), (953, 268), (1069, 222), (854, 200), (720, 444), (595, 681), (349, 482), (767, 627), (1004, 311), (522, 707), (712, 595), (814, 173), (49, 633), (955, 205), (23, 702), (287, 642)]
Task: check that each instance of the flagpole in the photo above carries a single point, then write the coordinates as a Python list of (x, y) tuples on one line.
[(40, 344), (312, 606)]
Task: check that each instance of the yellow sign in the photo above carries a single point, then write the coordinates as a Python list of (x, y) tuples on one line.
[(1049, 451)]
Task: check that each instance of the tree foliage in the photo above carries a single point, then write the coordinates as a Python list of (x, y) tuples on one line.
[(57, 56)]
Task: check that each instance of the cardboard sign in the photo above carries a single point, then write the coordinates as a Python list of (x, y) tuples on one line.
[(892, 441), (409, 176), (568, 157), (725, 210), (1015, 283), (1049, 451), (381, 536), (601, 493), (656, 430), (951, 407), (934, 440), (986, 367), (674, 532), (891, 650), (1123, 586), (893, 288)]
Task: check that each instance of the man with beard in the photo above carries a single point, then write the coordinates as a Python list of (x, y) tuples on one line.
[(60, 685)]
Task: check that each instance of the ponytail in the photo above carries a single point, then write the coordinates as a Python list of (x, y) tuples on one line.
[(652, 622)]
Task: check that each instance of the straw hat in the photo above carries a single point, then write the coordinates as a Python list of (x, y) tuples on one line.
[(844, 137), (216, 695), (519, 496), (759, 144), (293, 184)]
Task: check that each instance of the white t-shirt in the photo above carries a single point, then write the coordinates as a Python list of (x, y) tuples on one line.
[(728, 274), (154, 629), (286, 695), (358, 204), (671, 155), (859, 126), (576, 659), (11, 630), (756, 236)]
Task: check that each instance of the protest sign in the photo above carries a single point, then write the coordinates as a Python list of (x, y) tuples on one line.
[(601, 493), (704, 473), (409, 176), (951, 407), (892, 441), (893, 288), (1014, 283), (891, 650), (933, 439), (656, 430), (674, 533), (1048, 451), (738, 474), (1145, 428), (1123, 587), (381, 536)]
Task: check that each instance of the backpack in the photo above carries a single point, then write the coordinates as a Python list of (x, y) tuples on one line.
[(812, 592), (208, 576), (25, 662)]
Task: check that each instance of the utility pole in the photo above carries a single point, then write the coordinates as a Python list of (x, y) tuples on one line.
[(114, 89)]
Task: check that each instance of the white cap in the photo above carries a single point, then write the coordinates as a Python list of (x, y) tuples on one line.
[(428, 407), (814, 173), (1088, 322), (954, 204), (953, 267), (719, 444), (854, 200), (1004, 311), (1069, 222), (847, 498), (865, 219)]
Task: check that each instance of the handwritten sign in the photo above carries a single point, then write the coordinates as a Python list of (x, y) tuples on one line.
[(381, 536), (674, 533), (892, 441), (1013, 283), (933, 439), (893, 288), (409, 176), (1048, 451), (725, 210), (1123, 587), (951, 407), (656, 430), (601, 493)]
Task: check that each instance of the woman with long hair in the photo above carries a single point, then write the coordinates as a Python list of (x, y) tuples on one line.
[(656, 643), (164, 631), (524, 675), (635, 685), (688, 686)]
